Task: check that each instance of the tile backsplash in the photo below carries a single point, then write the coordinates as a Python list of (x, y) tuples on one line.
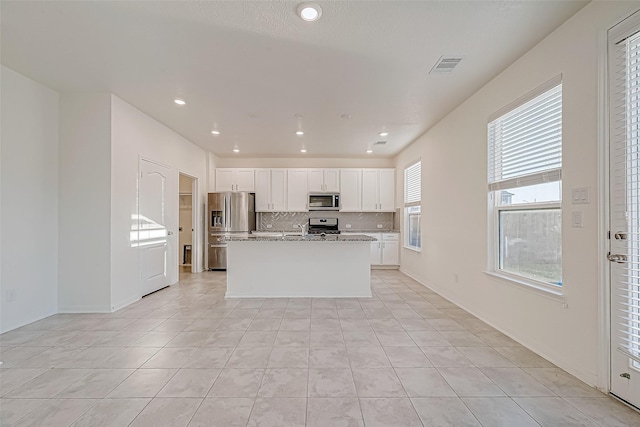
[(358, 220)]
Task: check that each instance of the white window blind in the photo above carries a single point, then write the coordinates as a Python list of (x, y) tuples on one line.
[(525, 142), (412, 184), (624, 60)]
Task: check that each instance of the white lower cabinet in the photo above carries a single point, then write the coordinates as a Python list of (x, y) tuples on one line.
[(384, 251), (390, 249)]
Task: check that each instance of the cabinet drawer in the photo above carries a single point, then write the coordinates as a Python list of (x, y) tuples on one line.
[(391, 236)]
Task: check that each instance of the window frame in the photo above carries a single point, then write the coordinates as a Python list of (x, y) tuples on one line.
[(407, 205), (494, 236), (495, 207)]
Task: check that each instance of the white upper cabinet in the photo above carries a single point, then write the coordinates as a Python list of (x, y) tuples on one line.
[(297, 193), (287, 190), (323, 180), (271, 189), (370, 190), (332, 180), (387, 189), (378, 190), (350, 190), (235, 179)]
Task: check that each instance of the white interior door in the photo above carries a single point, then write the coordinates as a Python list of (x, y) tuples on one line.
[(624, 202), (154, 235)]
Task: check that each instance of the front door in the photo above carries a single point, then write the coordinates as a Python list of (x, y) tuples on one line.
[(154, 236), (624, 202)]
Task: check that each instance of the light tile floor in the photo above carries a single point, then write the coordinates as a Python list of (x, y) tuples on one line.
[(186, 356)]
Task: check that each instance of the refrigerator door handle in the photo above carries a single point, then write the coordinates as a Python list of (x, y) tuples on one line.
[(230, 219), (224, 212)]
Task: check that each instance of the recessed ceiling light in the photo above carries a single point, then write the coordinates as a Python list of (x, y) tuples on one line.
[(179, 101), (236, 150), (385, 133), (309, 12), (299, 132), (303, 150), (346, 116), (215, 132), (369, 151)]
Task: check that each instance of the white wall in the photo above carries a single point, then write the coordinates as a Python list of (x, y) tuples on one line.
[(85, 161), (136, 135), (212, 161), (454, 199), (28, 200)]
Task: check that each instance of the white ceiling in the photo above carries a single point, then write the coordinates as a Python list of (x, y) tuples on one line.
[(248, 68)]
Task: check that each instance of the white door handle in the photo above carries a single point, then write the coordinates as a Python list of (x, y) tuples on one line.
[(170, 233)]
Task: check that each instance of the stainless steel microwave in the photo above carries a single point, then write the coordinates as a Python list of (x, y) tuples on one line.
[(324, 202)]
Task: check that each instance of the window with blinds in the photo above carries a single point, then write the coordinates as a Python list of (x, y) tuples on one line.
[(524, 182), (412, 210), (412, 185), (525, 143)]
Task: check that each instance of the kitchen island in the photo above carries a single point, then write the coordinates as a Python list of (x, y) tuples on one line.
[(334, 266)]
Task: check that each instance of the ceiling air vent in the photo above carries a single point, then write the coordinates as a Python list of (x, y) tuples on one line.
[(379, 142), (445, 64)]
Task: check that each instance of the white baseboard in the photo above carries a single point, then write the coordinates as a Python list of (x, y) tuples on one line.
[(83, 309), (123, 304), (567, 365), (21, 324)]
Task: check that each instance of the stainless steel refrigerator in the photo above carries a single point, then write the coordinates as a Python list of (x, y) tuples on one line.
[(229, 213)]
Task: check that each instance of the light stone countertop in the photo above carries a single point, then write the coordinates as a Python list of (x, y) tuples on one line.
[(307, 238)]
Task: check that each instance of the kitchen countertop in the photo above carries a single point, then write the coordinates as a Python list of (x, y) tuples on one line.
[(308, 238), (297, 232), (378, 230)]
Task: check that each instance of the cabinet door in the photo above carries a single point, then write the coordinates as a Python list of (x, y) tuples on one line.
[(224, 180), (263, 190), (376, 249), (350, 190), (370, 190), (390, 250), (332, 180), (297, 190), (386, 189), (279, 190), (315, 180), (244, 180)]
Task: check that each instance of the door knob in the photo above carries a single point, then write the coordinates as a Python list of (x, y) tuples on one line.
[(170, 233), (619, 258)]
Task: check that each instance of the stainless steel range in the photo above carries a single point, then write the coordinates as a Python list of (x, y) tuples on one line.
[(323, 225)]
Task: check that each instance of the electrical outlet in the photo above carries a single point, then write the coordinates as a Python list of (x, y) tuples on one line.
[(10, 295), (347, 226), (379, 225), (269, 226)]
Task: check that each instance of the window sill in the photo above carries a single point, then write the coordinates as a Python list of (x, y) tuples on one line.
[(414, 249), (531, 285)]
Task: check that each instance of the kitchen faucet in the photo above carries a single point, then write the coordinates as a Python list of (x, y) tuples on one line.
[(303, 229)]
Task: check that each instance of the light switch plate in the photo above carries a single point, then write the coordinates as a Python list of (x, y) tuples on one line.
[(576, 219), (580, 196)]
